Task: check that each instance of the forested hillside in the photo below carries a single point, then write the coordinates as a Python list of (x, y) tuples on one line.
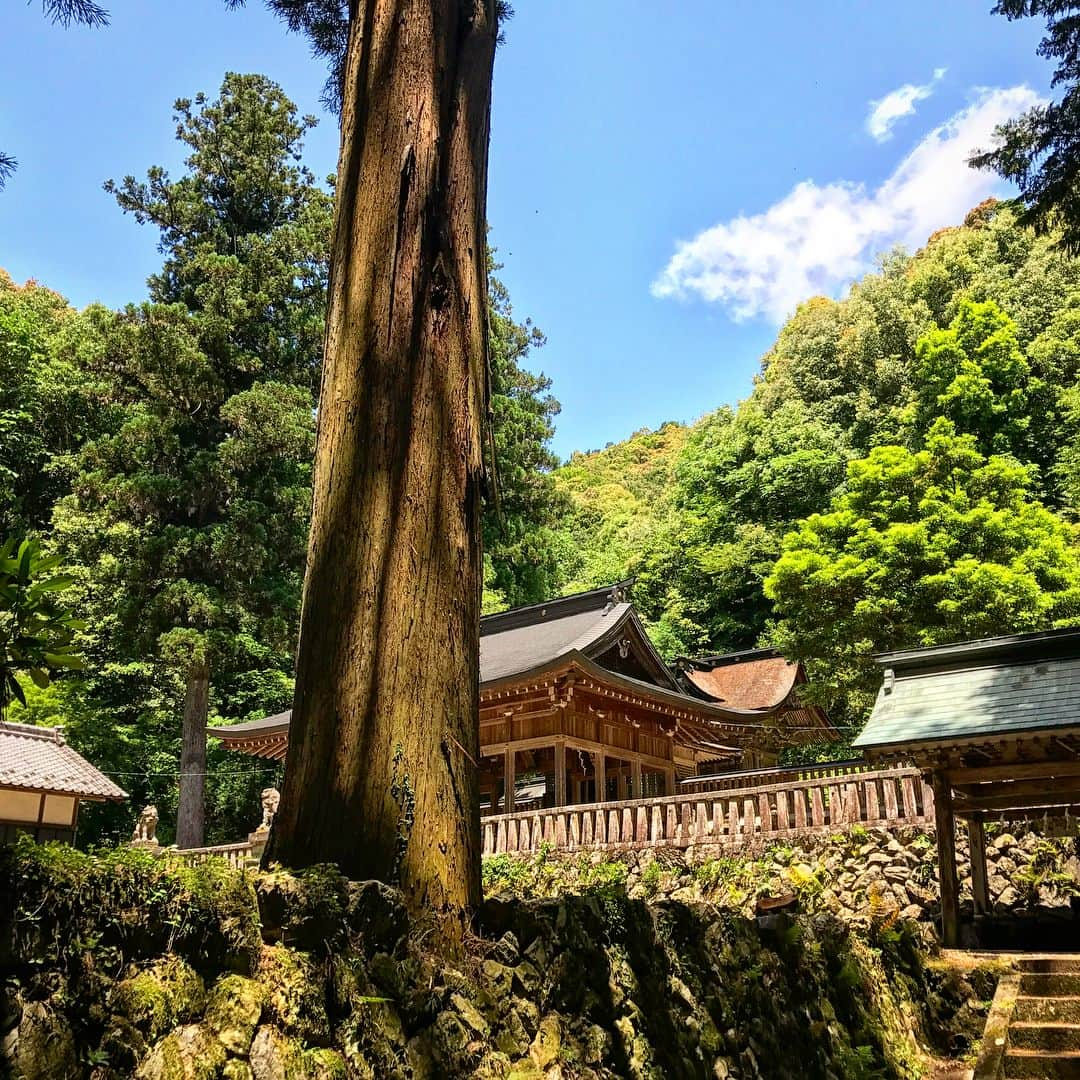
[(905, 471)]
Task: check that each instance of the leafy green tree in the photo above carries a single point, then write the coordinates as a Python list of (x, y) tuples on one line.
[(740, 480), (36, 631), (924, 547), (844, 376), (189, 516), (47, 408), (974, 374), (1040, 151)]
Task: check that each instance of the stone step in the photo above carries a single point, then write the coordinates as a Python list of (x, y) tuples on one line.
[(1065, 964), (1050, 984), (1035, 1035), (1042, 1065), (1054, 1010)]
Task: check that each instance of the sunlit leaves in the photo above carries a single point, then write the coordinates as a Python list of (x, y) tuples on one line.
[(37, 633)]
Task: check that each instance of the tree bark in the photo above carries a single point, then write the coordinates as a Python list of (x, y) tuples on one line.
[(380, 776), (191, 812)]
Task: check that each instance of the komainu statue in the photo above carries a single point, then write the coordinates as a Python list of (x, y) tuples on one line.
[(270, 800), (146, 826)]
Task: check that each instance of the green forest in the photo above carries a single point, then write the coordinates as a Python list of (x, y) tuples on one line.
[(903, 472)]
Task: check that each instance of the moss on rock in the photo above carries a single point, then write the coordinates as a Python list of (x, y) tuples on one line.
[(43, 1047), (159, 997), (188, 1053), (592, 985), (233, 1009), (295, 996)]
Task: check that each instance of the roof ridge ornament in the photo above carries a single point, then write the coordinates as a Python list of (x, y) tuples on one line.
[(618, 595)]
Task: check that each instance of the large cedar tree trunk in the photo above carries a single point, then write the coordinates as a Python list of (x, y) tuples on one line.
[(191, 813), (380, 776)]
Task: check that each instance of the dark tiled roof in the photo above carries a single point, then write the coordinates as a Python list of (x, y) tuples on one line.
[(509, 651), (977, 690), (524, 639), (38, 759)]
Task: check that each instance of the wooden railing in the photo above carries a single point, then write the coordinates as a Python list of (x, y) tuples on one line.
[(739, 816), (236, 855), (726, 781)]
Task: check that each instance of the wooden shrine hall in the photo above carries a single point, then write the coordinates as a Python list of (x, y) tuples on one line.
[(995, 727), (576, 706)]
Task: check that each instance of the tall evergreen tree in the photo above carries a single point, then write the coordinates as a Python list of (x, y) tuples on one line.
[(1040, 151), (520, 540), (190, 515), (385, 722)]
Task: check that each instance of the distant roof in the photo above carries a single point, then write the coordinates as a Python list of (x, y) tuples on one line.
[(976, 691), (38, 759), (756, 679)]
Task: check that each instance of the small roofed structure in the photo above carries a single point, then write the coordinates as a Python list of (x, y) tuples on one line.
[(765, 684), (576, 706), (995, 726), (42, 783)]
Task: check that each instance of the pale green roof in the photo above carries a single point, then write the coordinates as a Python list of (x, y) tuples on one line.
[(976, 690)]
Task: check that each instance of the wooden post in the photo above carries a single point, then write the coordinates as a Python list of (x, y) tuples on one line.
[(600, 772), (669, 780), (946, 844), (977, 846), (509, 778), (560, 773), (635, 777)]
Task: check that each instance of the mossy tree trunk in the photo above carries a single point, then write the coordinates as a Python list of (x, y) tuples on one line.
[(380, 776), (191, 811)]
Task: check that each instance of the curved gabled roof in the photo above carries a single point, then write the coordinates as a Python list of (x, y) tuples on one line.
[(758, 679), (597, 631), (527, 639)]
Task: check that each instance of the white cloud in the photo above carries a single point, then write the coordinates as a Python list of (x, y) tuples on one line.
[(899, 103), (819, 237)]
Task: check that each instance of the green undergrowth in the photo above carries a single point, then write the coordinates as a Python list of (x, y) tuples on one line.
[(121, 965)]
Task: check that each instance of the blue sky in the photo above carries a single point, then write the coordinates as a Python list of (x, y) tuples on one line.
[(667, 181)]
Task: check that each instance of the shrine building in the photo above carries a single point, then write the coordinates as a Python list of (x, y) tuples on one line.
[(577, 706)]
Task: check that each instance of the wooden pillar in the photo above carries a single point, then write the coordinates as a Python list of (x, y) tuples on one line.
[(560, 772), (946, 845), (635, 777), (977, 846), (669, 780), (600, 775), (509, 776)]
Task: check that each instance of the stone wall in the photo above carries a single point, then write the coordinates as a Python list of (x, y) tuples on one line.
[(851, 874), (121, 965)]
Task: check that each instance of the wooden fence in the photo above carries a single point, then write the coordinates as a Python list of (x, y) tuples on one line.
[(745, 778), (236, 855), (732, 818), (804, 801)]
